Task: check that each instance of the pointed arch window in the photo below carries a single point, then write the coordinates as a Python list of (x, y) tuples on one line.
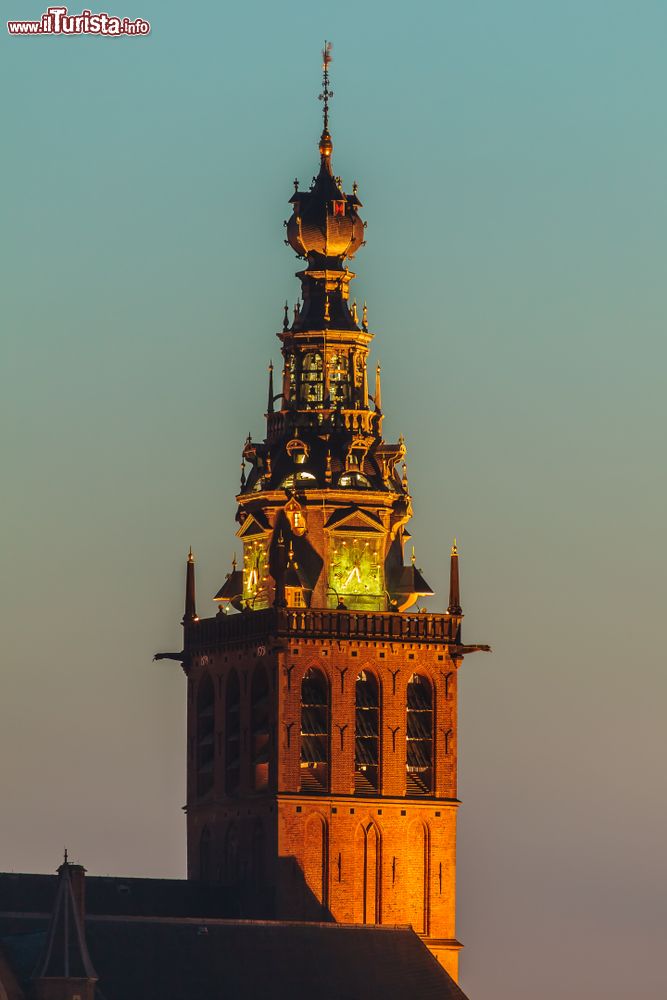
[(366, 735), (419, 853), (205, 735), (367, 878), (419, 729), (232, 734), (312, 379), (259, 713), (315, 732)]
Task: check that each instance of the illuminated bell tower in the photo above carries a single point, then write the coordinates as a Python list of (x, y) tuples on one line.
[(322, 705)]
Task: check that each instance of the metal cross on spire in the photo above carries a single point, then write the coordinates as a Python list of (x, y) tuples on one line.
[(326, 94)]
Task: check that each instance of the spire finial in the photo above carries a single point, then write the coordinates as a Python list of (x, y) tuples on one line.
[(191, 558), (455, 551), (286, 316), (66, 857), (364, 319), (326, 144), (413, 555), (234, 562), (378, 389)]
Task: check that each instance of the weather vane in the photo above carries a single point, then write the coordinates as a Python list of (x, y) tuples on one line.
[(326, 93)]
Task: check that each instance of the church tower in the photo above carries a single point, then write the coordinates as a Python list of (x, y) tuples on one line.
[(322, 703)]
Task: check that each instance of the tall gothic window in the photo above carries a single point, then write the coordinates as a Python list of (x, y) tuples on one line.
[(315, 875), (259, 709), (419, 853), (419, 762), (366, 902), (366, 735), (312, 379), (232, 734), (315, 732), (339, 379), (205, 735)]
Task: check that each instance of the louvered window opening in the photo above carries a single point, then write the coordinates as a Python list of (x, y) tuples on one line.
[(314, 732), (205, 736), (260, 729), (233, 735), (312, 379), (419, 760), (367, 735)]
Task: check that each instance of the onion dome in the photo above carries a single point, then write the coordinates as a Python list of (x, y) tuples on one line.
[(325, 227)]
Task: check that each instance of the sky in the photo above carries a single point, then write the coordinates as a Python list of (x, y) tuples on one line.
[(511, 158)]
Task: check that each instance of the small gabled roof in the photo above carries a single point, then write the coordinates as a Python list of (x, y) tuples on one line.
[(255, 523), (412, 582), (66, 954), (232, 587), (354, 518)]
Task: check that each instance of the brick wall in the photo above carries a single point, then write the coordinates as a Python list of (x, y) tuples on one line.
[(333, 855)]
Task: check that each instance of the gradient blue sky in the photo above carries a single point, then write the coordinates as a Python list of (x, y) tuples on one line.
[(511, 159)]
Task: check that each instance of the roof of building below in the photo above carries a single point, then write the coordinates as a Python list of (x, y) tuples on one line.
[(139, 958), (117, 896)]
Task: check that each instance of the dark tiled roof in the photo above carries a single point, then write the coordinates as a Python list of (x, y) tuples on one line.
[(412, 582), (113, 896), (232, 587), (143, 959)]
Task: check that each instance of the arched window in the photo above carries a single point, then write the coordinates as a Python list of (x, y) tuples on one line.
[(418, 897), (419, 762), (367, 874), (259, 717), (232, 734), (355, 479), (339, 379), (315, 854), (315, 731), (205, 735), (366, 735), (205, 854), (312, 379), (289, 482)]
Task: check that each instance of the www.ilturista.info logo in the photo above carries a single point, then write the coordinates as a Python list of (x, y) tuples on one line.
[(57, 21)]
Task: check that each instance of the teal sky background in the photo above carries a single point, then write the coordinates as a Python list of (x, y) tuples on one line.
[(511, 158)]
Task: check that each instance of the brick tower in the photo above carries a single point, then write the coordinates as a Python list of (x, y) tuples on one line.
[(322, 707)]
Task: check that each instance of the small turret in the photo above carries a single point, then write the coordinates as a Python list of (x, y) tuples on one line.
[(269, 408), (454, 590), (65, 968), (190, 614)]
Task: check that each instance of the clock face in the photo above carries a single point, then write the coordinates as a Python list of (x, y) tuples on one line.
[(356, 567), (255, 573)]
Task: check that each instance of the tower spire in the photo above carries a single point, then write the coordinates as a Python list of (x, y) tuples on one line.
[(454, 589), (190, 614), (378, 390), (326, 144)]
